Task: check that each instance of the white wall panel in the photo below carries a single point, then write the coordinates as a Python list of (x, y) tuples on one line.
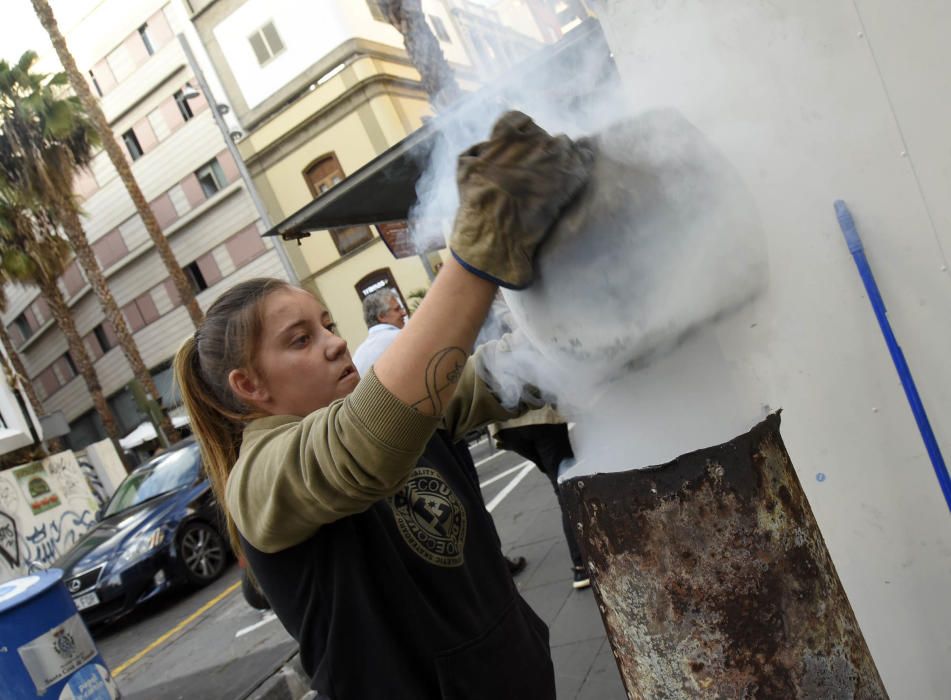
[(73, 399), (133, 232), (159, 126), (161, 339), (186, 150), (166, 62), (163, 303), (813, 101), (18, 298), (179, 200), (214, 226), (224, 261)]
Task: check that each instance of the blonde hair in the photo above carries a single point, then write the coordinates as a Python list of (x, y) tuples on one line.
[(226, 340)]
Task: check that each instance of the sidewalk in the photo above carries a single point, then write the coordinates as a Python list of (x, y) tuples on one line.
[(529, 524)]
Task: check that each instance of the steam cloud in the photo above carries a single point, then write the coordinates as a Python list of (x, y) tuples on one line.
[(664, 242)]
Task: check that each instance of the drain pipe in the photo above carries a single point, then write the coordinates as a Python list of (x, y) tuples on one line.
[(713, 579), (854, 241)]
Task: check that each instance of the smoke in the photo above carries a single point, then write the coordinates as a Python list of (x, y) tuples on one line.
[(663, 245)]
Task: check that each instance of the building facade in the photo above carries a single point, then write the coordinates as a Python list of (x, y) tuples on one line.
[(179, 156), (322, 88)]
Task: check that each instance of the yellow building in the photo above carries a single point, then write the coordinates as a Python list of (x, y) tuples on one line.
[(317, 98), (370, 105)]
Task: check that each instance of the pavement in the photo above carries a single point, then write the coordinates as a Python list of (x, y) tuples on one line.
[(203, 644), (528, 519)]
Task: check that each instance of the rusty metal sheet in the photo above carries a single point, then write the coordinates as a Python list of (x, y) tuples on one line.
[(714, 581)]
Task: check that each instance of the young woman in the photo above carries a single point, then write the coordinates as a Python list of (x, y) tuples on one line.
[(348, 496)]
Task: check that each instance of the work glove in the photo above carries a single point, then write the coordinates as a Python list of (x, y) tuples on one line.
[(511, 191)]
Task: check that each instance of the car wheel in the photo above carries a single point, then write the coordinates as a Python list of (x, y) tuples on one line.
[(202, 553)]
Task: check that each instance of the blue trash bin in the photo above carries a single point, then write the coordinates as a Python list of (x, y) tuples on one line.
[(45, 649)]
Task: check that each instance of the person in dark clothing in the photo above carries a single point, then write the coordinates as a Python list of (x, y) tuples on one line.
[(542, 437), (349, 496)]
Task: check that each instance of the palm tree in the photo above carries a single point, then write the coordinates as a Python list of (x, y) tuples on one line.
[(32, 253), (423, 49), (45, 14), (45, 139)]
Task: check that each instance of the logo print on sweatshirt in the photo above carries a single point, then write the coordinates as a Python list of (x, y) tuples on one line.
[(431, 518)]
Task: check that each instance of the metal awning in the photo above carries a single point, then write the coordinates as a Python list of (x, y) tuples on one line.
[(385, 188), (382, 190)]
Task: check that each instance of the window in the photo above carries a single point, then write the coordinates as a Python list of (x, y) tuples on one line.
[(211, 178), (244, 246), (132, 144), (41, 311), (183, 105), (440, 29), (375, 10), (377, 280), (105, 338), (197, 280), (110, 249), (23, 325), (95, 83), (138, 313), (47, 382), (68, 359), (64, 369), (323, 174), (350, 238), (266, 43), (144, 35)]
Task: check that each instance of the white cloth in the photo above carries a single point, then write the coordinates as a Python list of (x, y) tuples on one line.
[(378, 340)]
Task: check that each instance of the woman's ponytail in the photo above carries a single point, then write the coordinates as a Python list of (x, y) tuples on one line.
[(226, 340)]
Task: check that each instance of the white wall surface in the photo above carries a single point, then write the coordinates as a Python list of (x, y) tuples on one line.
[(104, 459), (15, 429), (815, 100), (309, 32), (36, 530)]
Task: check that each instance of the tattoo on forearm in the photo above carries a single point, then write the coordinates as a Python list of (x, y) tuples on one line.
[(442, 372)]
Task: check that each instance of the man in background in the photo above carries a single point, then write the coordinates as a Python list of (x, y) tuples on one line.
[(385, 317)]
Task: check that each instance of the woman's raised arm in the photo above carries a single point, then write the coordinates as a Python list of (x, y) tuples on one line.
[(511, 189)]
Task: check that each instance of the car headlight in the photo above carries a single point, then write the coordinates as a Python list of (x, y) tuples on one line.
[(140, 545)]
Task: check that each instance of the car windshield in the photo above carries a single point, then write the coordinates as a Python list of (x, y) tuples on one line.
[(161, 475)]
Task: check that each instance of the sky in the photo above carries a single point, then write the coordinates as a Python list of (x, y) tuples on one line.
[(21, 31)]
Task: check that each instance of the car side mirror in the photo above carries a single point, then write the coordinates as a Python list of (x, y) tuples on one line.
[(98, 514)]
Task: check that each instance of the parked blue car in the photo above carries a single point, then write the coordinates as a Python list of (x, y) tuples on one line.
[(160, 529)]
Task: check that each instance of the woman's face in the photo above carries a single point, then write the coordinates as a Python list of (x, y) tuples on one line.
[(301, 364)]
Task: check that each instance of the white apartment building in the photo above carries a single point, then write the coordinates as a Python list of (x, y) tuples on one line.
[(135, 62)]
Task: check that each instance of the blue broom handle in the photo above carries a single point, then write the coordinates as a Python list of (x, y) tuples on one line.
[(854, 242)]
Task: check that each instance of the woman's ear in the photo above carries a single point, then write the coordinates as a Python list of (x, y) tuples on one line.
[(248, 387)]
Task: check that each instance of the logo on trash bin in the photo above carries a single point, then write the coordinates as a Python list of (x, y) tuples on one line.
[(431, 518), (64, 643)]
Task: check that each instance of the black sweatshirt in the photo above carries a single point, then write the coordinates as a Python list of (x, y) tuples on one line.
[(410, 599)]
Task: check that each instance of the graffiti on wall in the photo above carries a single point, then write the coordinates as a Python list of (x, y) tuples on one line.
[(9, 540), (45, 507), (51, 540), (94, 483)]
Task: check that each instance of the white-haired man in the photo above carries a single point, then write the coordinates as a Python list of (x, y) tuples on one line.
[(385, 317)]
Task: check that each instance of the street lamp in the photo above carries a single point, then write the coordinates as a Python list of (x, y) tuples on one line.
[(190, 92)]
